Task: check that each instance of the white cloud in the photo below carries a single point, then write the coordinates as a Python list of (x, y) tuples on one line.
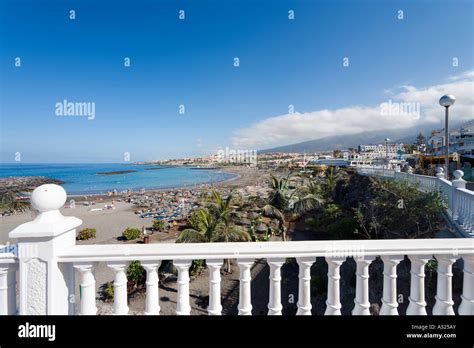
[(297, 127)]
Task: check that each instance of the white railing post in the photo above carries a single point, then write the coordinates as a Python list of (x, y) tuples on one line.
[(467, 304), (120, 287), (417, 303), (458, 183), (7, 289), (274, 304), (183, 307), (215, 307), (152, 306), (245, 299), (361, 300), (444, 298), (389, 299), (439, 175), (87, 305), (45, 285), (333, 303), (304, 285)]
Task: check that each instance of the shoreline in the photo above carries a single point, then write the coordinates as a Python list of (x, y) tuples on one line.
[(237, 176), (236, 173)]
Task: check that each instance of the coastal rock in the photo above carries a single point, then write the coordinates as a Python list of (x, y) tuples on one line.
[(25, 183)]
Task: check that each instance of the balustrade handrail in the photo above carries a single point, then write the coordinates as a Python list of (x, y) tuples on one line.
[(466, 191), (240, 250)]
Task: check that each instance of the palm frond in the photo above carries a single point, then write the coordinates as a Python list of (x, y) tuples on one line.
[(191, 236)]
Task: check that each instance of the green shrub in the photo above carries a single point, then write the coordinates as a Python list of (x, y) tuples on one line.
[(158, 225), (345, 227), (86, 233), (108, 291), (131, 233), (136, 273), (196, 267)]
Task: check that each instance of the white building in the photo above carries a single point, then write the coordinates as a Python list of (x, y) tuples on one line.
[(381, 150), (461, 140)]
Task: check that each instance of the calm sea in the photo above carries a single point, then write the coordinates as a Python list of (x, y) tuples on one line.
[(83, 178)]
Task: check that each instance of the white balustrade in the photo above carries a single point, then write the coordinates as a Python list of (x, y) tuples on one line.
[(361, 301), (389, 299), (152, 306), (444, 297), (215, 307), (48, 255), (467, 303), (274, 304), (245, 299), (7, 289), (87, 305), (120, 287), (333, 303), (183, 307), (465, 204), (417, 285), (304, 285)]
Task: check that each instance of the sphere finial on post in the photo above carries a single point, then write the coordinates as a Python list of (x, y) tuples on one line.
[(440, 172), (48, 197), (458, 174)]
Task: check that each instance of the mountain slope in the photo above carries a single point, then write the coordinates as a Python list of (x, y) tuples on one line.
[(340, 142)]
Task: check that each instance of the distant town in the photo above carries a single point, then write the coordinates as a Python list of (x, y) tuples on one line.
[(424, 154)]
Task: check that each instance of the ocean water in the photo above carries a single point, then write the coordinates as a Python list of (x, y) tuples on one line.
[(83, 178)]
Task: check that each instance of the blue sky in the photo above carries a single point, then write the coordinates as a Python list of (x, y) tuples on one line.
[(190, 62)]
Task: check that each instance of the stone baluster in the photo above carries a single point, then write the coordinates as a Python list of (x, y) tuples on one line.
[(152, 306), (215, 307), (87, 305), (361, 301), (304, 286), (245, 299), (389, 300), (274, 304), (458, 183), (417, 304), (333, 303), (467, 304), (183, 307), (7, 289), (120, 287), (444, 297)]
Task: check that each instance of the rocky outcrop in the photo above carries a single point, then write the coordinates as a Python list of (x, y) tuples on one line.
[(25, 183)]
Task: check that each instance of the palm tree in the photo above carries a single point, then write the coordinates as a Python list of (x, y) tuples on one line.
[(219, 207), (308, 197), (331, 176), (10, 201), (203, 229), (281, 202), (214, 225)]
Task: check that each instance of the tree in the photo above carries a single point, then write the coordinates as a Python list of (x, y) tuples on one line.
[(158, 225), (281, 202), (399, 210), (10, 201), (337, 153), (420, 139), (331, 176), (307, 197), (409, 148), (213, 224)]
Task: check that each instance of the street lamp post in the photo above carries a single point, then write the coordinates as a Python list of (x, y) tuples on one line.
[(446, 101), (386, 151)]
